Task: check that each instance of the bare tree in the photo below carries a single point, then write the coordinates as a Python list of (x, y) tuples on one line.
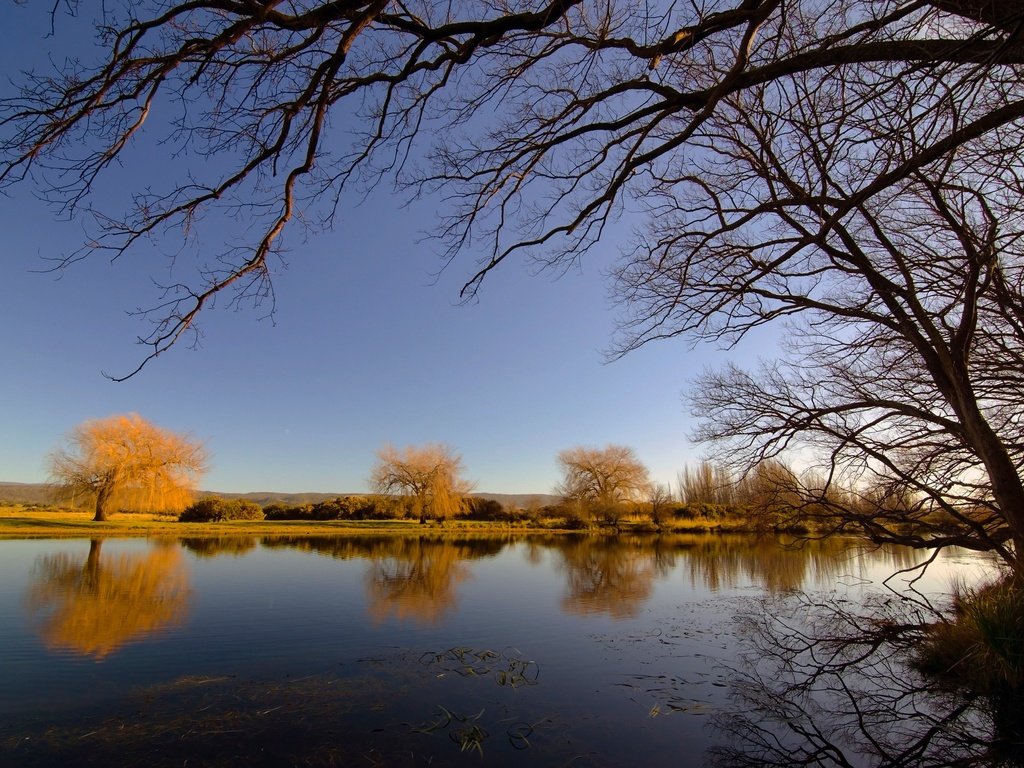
[(903, 302), (602, 478), (552, 114), (430, 475), (125, 462), (855, 170), (706, 483), (660, 499)]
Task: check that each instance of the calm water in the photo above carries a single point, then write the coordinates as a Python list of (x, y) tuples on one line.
[(393, 650)]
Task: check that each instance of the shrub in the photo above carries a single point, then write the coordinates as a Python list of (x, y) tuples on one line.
[(340, 508), (478, 508), (982, 647), (215, 510), (277, 512)]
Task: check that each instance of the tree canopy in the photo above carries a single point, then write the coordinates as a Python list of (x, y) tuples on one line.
[(604, 476), (124, 462), (431, 475)]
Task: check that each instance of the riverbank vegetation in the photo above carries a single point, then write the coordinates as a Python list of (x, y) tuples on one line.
[(603, 490), (981, 646), (41, 520), (46, 521)]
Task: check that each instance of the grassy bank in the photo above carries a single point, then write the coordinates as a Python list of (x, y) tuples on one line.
[(35, 521), (19, 522), (981, 646)]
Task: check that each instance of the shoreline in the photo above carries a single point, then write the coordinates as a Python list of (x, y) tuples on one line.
[(18, 522)]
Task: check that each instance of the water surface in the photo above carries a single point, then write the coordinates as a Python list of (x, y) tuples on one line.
[(394, 650)]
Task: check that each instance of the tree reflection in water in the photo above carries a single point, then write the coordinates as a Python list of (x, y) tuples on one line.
[(415, 577), (412, 578), (825, 685), (207, 546), (415, 580), (608, 575), (615, 575), (782, 564), (827, 682), (94, 605)]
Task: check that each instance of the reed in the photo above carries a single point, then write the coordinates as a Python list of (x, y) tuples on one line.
[(981, 646)]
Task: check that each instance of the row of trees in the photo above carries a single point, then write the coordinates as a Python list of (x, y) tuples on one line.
[(124, 462)]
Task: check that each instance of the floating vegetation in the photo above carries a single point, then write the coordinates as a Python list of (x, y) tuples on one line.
[(469, 733), (318, 720), (508, 670), (670, 694)]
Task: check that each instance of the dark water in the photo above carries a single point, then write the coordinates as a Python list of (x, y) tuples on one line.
[(583, 651)]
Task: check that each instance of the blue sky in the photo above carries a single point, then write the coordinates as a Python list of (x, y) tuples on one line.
[(366, 348)]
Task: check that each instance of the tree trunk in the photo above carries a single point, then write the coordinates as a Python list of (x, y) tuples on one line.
[(420, 508), (1007, 488), (102, 497)]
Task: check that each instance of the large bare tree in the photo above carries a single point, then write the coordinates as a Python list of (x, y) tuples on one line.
[(553, 113), (903, 301), (853, 167)]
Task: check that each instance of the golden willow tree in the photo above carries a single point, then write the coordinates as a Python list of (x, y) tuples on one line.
[(125, 463), (603, 479), (431, 476), (850, 167)]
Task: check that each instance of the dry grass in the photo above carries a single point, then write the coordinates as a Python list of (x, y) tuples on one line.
[(18, 522), (981, 647), (22, 521), (31, 521)]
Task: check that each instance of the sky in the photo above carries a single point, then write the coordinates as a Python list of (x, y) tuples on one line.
[(368, 346)]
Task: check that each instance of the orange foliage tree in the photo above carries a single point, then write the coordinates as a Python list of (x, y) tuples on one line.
[(124, 462), (430, 475), (602, 479)]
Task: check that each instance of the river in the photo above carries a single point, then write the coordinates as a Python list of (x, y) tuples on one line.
[(403, 650)]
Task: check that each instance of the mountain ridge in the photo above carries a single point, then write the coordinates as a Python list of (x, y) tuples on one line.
[(43, 493)]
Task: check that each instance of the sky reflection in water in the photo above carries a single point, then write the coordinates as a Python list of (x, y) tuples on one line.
[(391, 649)]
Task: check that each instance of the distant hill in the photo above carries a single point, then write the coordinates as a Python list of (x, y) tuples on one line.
[(41, 493), (26, 493), (521, 500), (264, 498)]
